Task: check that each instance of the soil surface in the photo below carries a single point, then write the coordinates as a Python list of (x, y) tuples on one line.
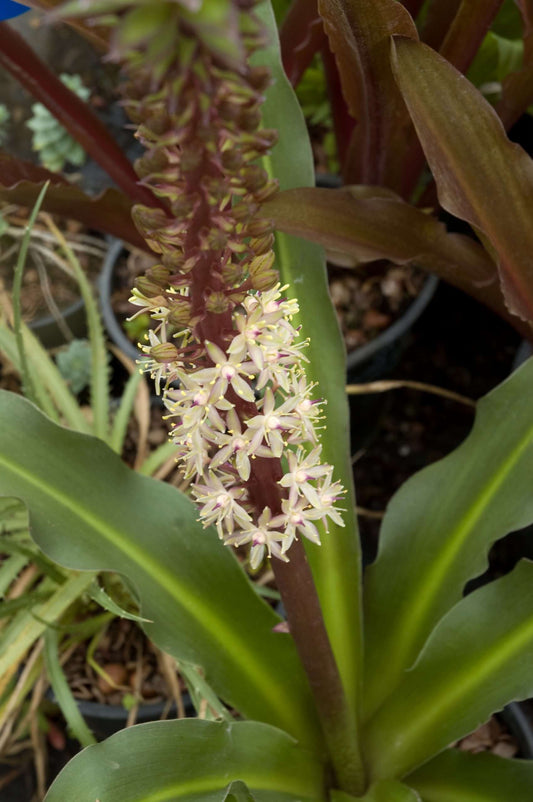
[(457, 345)]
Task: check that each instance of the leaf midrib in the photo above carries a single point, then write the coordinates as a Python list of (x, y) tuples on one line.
[(431, 584), (229, 644)]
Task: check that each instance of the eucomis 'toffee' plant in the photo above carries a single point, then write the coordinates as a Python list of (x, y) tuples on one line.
[(362, 696)]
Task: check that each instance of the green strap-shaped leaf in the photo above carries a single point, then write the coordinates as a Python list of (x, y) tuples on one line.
[(438, 529), (335, 563), (89, 511), (168, 761), (382, 791), (456, 776), (477, 659), (481, 176)]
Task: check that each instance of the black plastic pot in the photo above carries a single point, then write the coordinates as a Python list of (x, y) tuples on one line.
[(518, 718), (48, 331), (377, 360), (104, 720), (105, 290)]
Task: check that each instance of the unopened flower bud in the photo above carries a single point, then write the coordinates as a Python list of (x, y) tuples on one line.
[(159, 274), (164, 352), (191, 158), (262, 244), (232, 274), (173, 260), (158, 123), (153, 162), (258, 227), (228, 111), (180, 313), (267, 138), (217, 302), (243, 210), (216, 240), (182, 206), (267, 191), (260, 78), (148, 288), (149, 220), (254, 178), (250, 118), (262, 275), (231, 159)]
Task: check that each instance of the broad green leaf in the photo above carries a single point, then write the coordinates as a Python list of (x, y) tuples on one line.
[(335, 564), (359, 34), (374, 223), (481, 176), (382, 791), (456, 776), (89, 511), (477, 659), (390, 791), (438, 529), (192, 759)]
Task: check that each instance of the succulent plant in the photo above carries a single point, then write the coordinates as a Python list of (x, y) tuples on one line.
[(50, 139), (74, 364)]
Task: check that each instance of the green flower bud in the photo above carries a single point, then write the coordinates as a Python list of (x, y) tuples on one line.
[(164, 352), (217, 302)]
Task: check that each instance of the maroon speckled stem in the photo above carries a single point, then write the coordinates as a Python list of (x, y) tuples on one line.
[(306, 623)]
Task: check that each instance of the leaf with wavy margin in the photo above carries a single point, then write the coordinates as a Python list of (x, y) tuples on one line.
[(439, 527), (477, 659), (371, 223), (456, 776), (89, 512), (192, 759), (481, 176)]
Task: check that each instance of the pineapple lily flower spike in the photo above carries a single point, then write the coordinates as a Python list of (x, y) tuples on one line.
[(224, 353), (223, 326)]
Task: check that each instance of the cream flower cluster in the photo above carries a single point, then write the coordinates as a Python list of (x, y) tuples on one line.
[(218, 443)]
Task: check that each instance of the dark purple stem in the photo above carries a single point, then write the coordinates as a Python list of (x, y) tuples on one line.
[(306, 623)]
